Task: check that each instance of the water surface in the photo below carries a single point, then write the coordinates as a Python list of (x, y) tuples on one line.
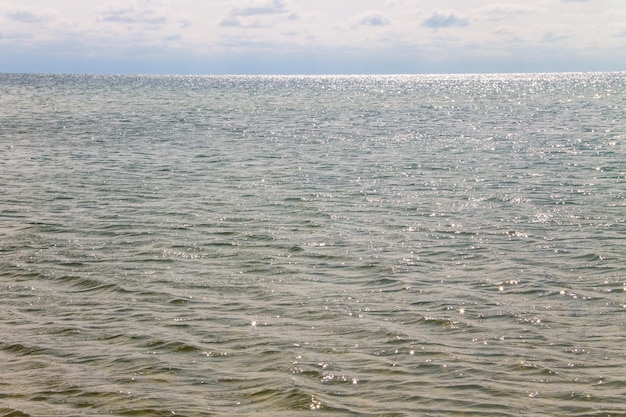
[(343, 245)]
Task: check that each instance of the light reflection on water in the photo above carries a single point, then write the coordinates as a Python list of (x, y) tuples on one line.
[(431, 245)]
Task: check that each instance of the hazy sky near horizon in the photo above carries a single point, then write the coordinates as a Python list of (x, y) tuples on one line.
[(312, 37)]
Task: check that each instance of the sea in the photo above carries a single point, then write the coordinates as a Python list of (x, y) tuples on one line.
[(393, 245)]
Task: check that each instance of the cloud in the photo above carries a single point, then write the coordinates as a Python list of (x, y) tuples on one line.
[(128, 14), (260, 8), (508, 9), (552, 37), (30, 15), (505, 11), (372, 18), (442, 19), (241, 21), (250, 16), (395, 3), (185, 23), (231, 21), (163, 2)]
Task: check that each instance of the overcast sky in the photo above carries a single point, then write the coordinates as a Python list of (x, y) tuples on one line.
[(311, 36)]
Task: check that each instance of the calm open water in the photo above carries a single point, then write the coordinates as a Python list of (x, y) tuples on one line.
[(294, 246)]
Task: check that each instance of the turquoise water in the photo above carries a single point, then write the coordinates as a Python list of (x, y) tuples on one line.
[(339, 245)]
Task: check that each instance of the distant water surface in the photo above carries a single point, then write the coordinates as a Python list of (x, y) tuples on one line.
[(341, 245)]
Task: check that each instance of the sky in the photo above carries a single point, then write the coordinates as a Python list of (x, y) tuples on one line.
[(311, 36)]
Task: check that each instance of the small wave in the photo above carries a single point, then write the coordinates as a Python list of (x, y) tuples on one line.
[(80, 284), (9, 412), (21, 349), (171, 346)]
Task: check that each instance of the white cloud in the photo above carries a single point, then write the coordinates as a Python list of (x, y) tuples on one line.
[(30, 15), (554, 37), (251, 15), (129, 14), (442, 19), (260, 8), (245, 22), (507, 9), (372, 18)]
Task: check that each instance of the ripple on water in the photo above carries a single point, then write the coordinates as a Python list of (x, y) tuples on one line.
[(382, 246)]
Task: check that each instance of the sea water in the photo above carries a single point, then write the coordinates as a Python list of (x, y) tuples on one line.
[(445, 245)]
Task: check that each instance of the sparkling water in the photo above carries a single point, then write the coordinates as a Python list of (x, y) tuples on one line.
[(344, 245)]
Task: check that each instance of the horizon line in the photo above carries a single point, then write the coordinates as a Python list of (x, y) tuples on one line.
[(347, 74)]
